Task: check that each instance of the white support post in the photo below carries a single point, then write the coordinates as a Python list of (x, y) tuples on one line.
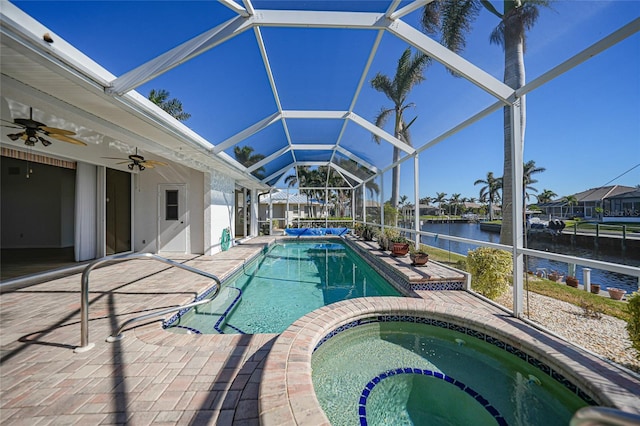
[(326, 208), (286, 213), (416, 192), (353, 208), (586, 278), (270, 212), (364, 204), (382, 202), (244, 212), (254, 212), (517, 207)]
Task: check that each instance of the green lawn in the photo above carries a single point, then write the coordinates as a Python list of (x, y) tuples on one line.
[(545, 287)]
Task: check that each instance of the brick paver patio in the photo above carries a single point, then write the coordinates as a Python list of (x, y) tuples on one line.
[(149, 377)]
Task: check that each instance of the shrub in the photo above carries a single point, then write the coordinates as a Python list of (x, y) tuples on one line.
[(633, 324), (369, 233), (390, 215), (490, 271), (386, 237), (420, 249)]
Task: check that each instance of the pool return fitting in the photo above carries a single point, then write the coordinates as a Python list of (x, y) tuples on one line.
[(84, 294)]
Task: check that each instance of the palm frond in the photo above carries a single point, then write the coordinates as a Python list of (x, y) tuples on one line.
[(380, 120), (412, 74), (497, 35), (383, 83), (457, 17), (430, 19)]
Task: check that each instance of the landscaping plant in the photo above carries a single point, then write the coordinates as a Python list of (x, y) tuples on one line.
[(490, 271), (633, 323)]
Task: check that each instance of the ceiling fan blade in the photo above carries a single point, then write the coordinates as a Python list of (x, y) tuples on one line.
[(154, 163), (53, 130), (11, 124), (65, 138), (123, 162), (12, 127), (146, 165), (113, 158)]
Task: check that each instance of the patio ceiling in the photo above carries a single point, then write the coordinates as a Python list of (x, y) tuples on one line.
[(285, 129)]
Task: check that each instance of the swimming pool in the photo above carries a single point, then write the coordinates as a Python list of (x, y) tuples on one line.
[(387, 370), (291, 279)]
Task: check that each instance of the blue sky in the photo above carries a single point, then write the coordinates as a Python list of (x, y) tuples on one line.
[(583, 127)]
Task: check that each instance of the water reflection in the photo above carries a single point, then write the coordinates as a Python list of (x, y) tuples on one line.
[(472, 230)]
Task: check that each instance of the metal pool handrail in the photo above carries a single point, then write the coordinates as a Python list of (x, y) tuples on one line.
[(118, 334), (84, 291)]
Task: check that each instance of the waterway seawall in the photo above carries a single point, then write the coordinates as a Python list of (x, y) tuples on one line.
[(490, 227), (610, 244), (614, 245)]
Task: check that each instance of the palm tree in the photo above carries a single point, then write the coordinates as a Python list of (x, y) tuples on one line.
[(244, 155), (171, 106), (546, 196), (440, 198), (571, 201), (408, 74), (453, 20), (426, 200), (305, 179), (490, 191), (455, 200), (529, 170), (401, 203)]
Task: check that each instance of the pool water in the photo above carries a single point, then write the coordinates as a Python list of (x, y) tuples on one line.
[(286, 283), (401, 373)]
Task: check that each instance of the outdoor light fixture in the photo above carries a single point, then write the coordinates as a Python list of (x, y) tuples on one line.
[(44, 141), (31, 137), (15, 136), (137, 160), (136, 164)]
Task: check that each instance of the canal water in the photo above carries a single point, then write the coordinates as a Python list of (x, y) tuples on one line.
[(606, 279)]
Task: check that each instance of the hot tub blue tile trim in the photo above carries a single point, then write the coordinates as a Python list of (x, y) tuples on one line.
[(366, 392), (555, 375)]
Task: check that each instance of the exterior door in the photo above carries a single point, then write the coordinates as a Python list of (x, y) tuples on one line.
[(173, 220), (118, 211)]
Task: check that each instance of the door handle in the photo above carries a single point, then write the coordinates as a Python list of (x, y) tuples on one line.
[(181, 222)]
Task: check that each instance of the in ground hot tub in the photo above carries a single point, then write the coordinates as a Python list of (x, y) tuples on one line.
[(409, 359)]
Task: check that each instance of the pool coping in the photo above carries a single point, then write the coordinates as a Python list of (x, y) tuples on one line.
[(287, 396), (408, 278)]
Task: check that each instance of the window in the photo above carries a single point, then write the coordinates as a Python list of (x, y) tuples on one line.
[(171, 208)]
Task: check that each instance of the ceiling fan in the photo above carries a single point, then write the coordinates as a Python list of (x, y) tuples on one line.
[(32, 131), (137, 160)]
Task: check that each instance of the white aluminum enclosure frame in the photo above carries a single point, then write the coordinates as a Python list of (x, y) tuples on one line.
[(120, 91)]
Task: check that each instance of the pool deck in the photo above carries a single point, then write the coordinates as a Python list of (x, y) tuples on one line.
[(430, 273), (151, 376)]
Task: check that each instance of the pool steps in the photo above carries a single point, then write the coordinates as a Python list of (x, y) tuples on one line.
[(222, 321)]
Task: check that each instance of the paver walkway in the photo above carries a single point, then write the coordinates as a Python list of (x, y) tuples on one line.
[(149, 377)]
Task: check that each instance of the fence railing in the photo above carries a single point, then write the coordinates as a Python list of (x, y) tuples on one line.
[(570, 260)]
